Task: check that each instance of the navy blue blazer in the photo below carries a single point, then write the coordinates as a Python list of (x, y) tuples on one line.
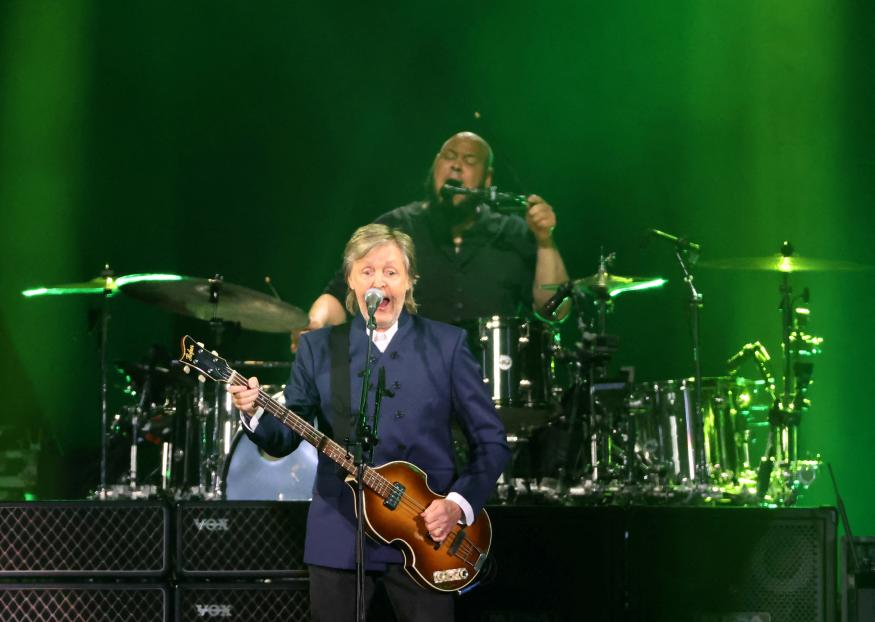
[(435, 379)]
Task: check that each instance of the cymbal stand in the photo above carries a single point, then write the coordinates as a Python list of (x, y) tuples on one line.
[(782, 445), (574, 450), (209, 476), (590, 365), (103, 318)]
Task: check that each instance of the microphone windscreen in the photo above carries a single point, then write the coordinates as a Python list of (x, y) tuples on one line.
[(373, 297)]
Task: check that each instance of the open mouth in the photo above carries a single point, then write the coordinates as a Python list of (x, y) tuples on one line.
[(384, 304)]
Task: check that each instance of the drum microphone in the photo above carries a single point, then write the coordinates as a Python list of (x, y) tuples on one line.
[(557, 299), (735, 361), (680, 243), (504, 202), (373, 298), (754, 350)]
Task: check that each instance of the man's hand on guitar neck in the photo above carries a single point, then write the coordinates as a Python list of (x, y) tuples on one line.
[(440, 517), (244, 397)]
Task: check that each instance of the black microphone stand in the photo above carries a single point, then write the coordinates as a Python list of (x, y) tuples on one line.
[(685, 260), (363, 454)]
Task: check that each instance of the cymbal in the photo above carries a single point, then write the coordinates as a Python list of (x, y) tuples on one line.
[(780, 263), (602, 283), (212, 299), (97, 285)]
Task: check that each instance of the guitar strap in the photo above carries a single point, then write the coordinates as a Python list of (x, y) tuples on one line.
[(338, 344)]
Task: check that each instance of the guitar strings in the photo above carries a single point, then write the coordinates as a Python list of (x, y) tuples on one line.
[(380, 484)]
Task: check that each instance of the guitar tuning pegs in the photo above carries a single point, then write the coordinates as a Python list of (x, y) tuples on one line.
[(214, 353), (201, 378), (186, 369), (200, 343)]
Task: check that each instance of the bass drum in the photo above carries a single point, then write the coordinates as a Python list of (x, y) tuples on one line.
[(255, 476), (252, 475), (663, 416)]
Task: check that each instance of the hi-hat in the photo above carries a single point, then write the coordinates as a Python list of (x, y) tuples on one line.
[(215, 299), (782, 263)]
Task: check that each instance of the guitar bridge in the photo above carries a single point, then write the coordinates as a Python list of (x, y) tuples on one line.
[(394, 497)]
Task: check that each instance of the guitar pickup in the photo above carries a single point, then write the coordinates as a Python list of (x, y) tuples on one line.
[(394, 497)]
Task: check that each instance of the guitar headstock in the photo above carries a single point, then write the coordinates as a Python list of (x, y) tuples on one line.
[(210, 364)]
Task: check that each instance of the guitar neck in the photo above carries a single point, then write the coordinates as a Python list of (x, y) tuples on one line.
[(322, 442)]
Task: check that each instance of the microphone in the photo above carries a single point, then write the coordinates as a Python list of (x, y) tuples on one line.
[(503, 201), (451, 188), (756, 351), (373, 298), (735, 361), (680, 243), (557, 299)]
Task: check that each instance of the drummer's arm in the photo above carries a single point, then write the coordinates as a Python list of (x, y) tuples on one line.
[(325, 311), (549, 267)]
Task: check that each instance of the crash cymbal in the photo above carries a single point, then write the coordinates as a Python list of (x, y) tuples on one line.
[(214, 299), (616, 285), (781, 263), (611, 284), (98, 285)]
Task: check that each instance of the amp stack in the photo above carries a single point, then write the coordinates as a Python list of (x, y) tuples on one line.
[(241, 560), (145, 561), (84, 560)]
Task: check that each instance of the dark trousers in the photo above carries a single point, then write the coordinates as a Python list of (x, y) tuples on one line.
[(332, 596)]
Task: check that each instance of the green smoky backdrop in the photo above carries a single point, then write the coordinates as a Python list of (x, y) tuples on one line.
[(249, 139)]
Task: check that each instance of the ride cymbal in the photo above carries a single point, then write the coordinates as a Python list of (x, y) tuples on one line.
[(782, 263)]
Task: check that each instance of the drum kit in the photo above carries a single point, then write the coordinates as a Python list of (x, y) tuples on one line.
[(580, 432), (583, 434), (174, 438)]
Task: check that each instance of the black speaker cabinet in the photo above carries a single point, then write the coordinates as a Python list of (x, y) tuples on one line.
[(48, 602), (858, 583), (241, 538), (550, 564), (83, 538), (732, 564), (288, 601)]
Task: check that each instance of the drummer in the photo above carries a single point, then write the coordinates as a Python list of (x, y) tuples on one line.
[(473, 261)]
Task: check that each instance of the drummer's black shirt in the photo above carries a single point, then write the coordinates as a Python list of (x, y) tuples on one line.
[(491, 274)]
